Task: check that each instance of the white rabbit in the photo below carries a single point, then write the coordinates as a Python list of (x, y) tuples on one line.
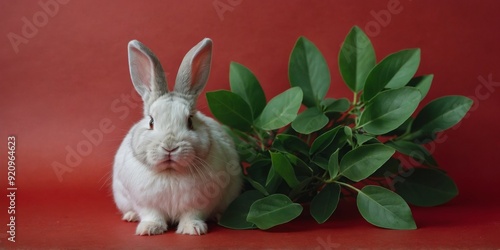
[(176, 165)]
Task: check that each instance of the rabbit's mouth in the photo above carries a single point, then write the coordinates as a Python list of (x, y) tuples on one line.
[(173, 162), (168, 160), (169, 165)]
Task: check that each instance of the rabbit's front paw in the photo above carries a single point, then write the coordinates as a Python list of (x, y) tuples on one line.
[(130, 216), (192, 227), (150, 228)]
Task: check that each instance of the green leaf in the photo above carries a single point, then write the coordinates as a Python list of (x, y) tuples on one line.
[(427, 187), (324, 140), (273, 210), (301, 168), (311, 120), (245, 150), (325, 202), (244, 83), (257, 175), (348, 134), (291, 144), (422, 83), (356, 59), (361, 138), (333, 164), (281, 110), (440, 114), (273, 181), (308, 70), (363, 161), (230, 109), (389, 109), (390, 167), (402, 129), (300, 193), (235, 216), (283, 167), (417, 152), (256, 185), (322, 157), (331, 105), (392, 72), (384, 208), (321, 161)]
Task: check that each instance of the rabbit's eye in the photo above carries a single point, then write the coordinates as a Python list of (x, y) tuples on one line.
[(151, 122), (190, 123)]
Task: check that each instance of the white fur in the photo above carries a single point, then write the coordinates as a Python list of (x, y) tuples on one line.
[(203, 175)]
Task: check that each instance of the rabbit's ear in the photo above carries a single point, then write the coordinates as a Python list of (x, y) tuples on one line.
[(146, 72), (194, 70)]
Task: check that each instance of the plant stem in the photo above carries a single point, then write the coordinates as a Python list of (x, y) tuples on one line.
[(261, 140), (408, 135), (349, 186), (355, 99)]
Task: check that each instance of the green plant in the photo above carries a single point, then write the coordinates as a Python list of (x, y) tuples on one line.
[(337, 147)]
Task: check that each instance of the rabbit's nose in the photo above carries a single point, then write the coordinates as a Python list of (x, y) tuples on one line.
[(170, 150)]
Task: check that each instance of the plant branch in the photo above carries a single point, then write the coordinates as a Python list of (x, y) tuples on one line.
[(260, 141), (349, 186)]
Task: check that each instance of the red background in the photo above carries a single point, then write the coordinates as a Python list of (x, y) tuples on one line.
[(71, 72)]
